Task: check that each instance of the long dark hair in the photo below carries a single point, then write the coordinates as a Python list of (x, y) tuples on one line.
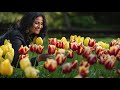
[(27, 21)]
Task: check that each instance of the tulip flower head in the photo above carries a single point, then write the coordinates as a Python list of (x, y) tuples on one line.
[(50, 65), (23, 50), (39, 41)]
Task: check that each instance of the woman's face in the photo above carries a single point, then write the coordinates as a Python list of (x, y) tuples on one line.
[(37, 25)]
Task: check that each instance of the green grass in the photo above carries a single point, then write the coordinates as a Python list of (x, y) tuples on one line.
[(96, 71)]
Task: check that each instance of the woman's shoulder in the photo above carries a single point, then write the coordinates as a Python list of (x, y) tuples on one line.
[(15, 33)]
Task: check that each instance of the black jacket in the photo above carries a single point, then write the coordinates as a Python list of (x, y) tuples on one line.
[(17, 39)]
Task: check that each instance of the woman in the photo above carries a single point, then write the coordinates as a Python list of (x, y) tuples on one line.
[(32, 24)]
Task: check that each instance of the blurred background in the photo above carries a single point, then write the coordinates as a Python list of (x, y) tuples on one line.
[(92, 24)]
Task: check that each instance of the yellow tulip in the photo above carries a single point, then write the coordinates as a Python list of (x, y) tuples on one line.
[(11, 50), (1, 52), (64, 39), (1, 59), (31, 72), (34, 39), (66, 45), (86, 41), (24, 63), (9, 56), (39, 41), (6, 68), (5, 49)]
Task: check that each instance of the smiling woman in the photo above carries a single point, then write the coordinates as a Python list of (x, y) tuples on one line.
[(32, 24)]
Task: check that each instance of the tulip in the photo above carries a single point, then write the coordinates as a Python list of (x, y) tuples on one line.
[(103, 45), (114, 50), (9, 56), (92, 59), (91, 42), (24, 63), (86, 41), (70, 54), (80, 39), (52, 41), (34, 39), (74, 64), (1, 52), (66, 45), (51, 49), (110, 62), (23, 50), (11, 50), (60, 58), (83, 71), (113, 42), (66, 68), (39, 49), (50, 65), (60, 44), (4, 49), (39, 41), (23, 56), (6, 68), (73, 38), (103, 58), (73, 46), (64, 39), (98, 49), (86, 52), (33, 48), (60, 51), (1, 59), (85, 64), (31, 72), (80, 50)]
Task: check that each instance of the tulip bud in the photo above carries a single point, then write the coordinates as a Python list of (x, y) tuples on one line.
[(60, 58), (92, 59), (86, 41), (23, 50), (114, 50), (86, 52), (6, 68), (9, 56), (80, 50), (60, 51), (85, 64), (103, 58), (73, 46), (23, 56), (91, 42), (4, 49), (31, 72), (74, 64), (52, 41), (110, 62), (39, 41), (51, 49), (60, 44), (25, 62), (70, 54), (83, 71), (1, 52), (66, 68), (33, 48), (50, 65), (39, 49)]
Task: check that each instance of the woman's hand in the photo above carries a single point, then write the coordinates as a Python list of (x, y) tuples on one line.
[(42, 57)]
